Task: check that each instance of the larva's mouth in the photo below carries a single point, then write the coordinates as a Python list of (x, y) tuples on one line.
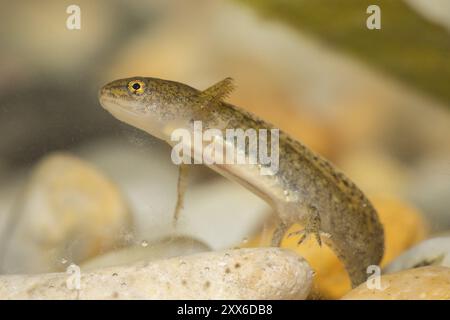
[(111, 103), (136, 116)]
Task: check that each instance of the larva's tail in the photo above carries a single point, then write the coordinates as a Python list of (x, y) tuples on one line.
[(357, 238)]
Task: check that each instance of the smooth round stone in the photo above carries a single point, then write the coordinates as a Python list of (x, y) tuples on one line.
[(260, 273), (435, 251), (425, 283), (147, 251), (68, 212)]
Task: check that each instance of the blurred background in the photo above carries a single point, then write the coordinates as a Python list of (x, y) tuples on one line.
[(75, 183)]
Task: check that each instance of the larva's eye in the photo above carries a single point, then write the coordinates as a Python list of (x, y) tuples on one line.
[(136, 86)]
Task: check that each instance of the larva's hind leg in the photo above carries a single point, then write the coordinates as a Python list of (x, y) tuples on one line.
[(183, 172), (312, 226)]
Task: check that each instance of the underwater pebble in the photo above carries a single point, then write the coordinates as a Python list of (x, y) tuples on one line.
[(260, 273), (429, 191), (426, 283), (434, 252), (68, 210), (162, 249)]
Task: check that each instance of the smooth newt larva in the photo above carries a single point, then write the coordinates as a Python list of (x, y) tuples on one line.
[(322, 199)]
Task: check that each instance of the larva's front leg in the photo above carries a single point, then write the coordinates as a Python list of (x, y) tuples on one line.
[(183, 173)]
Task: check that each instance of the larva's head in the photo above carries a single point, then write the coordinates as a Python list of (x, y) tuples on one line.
[(149, 104)]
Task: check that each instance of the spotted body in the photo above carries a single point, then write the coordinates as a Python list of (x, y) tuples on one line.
[(306, 188)]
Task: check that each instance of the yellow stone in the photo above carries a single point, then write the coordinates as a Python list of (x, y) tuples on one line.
[(403, 226), (69, 212), (426, 283)]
